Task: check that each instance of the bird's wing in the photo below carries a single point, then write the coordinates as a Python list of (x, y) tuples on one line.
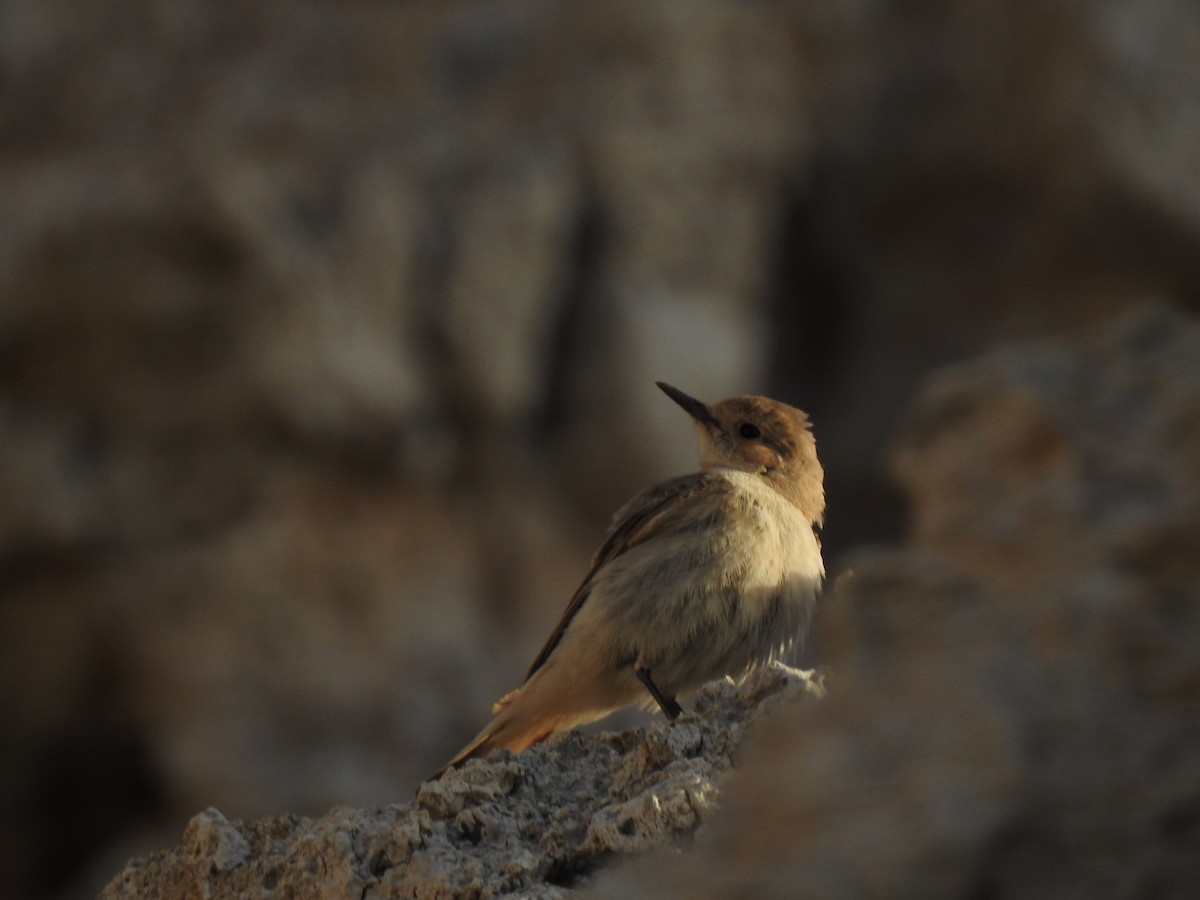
[(633, 523)]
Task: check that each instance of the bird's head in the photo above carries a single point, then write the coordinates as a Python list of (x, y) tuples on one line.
[(763, 436)]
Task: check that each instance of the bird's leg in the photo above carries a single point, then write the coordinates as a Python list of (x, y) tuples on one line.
[(671, 709)]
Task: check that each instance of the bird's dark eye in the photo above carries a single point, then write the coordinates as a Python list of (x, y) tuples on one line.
[(748, 431)]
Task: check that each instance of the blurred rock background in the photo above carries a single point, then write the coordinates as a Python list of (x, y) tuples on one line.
[(328, 333)]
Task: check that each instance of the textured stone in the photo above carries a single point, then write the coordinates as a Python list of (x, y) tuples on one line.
[(1040, 460), (534, 825)]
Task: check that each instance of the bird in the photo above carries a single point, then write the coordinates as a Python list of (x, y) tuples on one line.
[(705, 575)]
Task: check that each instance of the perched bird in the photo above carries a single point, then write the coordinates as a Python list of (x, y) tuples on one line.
[(701, 576)]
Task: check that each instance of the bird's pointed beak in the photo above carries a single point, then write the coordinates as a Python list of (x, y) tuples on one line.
[(693, 407)]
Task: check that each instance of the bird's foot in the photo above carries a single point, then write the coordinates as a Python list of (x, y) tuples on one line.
[(669, 705)]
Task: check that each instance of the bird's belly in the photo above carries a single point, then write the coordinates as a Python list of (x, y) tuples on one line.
[(728, 614), (735, 633), (709, 601)]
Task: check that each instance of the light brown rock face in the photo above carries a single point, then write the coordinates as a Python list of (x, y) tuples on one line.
[(1049, 459)]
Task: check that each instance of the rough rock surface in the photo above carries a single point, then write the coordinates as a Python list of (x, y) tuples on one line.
[(532, 825), (1043, 460)]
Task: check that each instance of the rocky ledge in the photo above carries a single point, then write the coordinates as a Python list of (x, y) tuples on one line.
[(536, 824)]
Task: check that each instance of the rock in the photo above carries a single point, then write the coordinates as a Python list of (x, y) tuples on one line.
[(210, 839), (973, 177), (536, 824), (1042, 460)]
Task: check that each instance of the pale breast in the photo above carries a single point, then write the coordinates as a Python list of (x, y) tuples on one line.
[(784, 545), (783, 574), (727, 592)]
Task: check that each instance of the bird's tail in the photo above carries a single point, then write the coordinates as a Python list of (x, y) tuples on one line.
[(515, 727)]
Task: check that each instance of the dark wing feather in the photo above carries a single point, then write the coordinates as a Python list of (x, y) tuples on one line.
[(631, 525)]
